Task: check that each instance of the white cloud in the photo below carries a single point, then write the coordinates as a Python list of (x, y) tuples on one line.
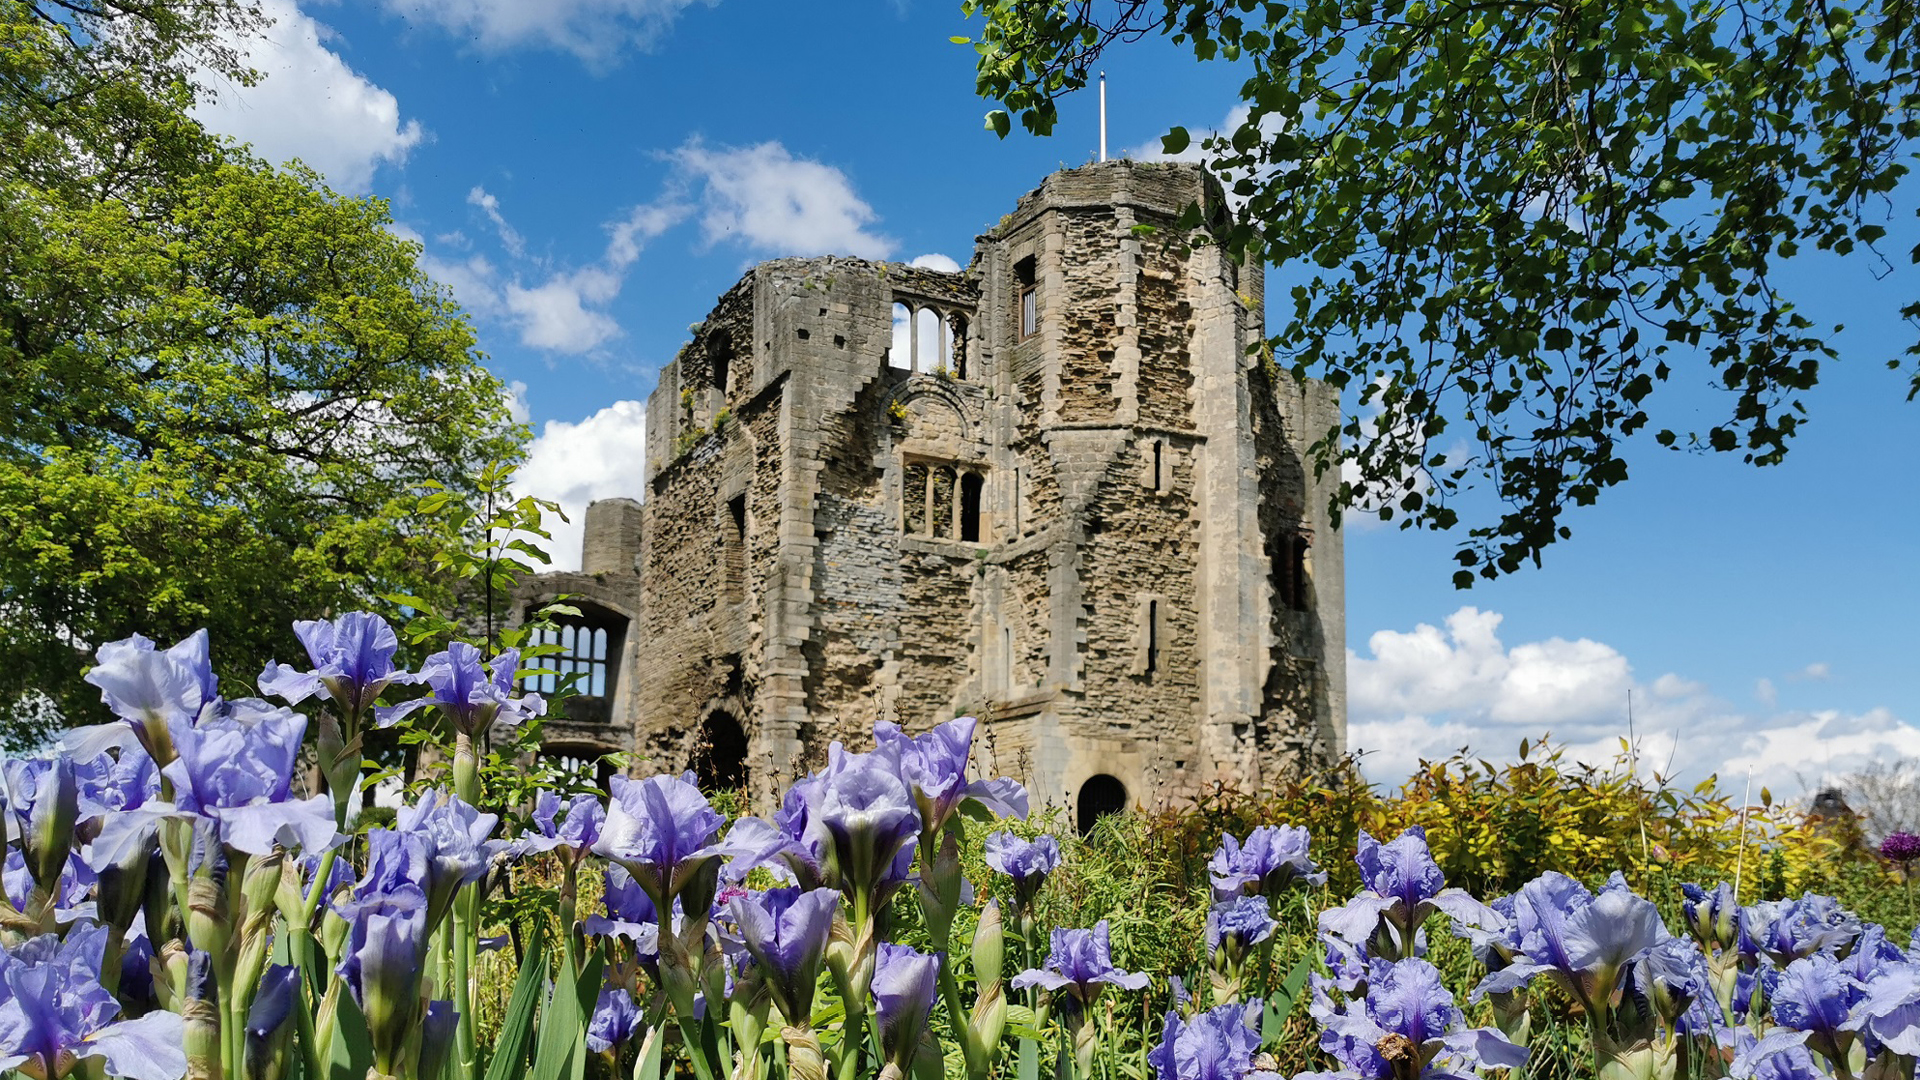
[(1813, 672), (935, 261), (596, 31), (489, 205), (310, 105), (575, 464), (768, 200), (1430, 691), (474, 281), (555, 315), (1765, 694)]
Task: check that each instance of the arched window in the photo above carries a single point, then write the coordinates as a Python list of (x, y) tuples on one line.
[(720, 757), (582, 764), (971, 484), (590, 646), (1100, 795), (900, 354)]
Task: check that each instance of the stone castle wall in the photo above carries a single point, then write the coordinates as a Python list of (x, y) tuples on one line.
[(1098, 535)]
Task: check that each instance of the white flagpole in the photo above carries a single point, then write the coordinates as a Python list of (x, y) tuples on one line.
[(1103, 116)]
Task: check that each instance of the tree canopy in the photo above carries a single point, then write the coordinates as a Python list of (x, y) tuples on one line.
[(1511, 221), (223, 382)]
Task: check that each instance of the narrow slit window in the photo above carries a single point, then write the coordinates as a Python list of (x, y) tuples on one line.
[(1026, 283), (941, 504), (1153, 636), (736, 549), (957, 346)]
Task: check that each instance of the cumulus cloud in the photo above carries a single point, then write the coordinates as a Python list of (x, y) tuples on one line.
[(596, 31), (771, 202), (576, 463), (1431, 691), (310, 105), (489, 205), (556, 315)]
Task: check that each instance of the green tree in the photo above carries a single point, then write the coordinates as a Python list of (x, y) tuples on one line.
[(1512, 220), (224, 385)]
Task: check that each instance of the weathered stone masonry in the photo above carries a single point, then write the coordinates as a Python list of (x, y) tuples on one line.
[(1076, 509)]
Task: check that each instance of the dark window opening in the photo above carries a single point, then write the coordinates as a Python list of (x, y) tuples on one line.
[(735, 554), (1024, 274), (587, 649), (1159, 465), (1099, 796), (720, 359), (970, 487), (720, 757), (1153, 636), (1295, 583)]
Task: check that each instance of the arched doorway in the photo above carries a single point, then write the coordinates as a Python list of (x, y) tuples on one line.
[(720, 756), (1100, 795)]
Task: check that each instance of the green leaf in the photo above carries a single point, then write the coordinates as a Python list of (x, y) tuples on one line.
[(516, 1030), (561, 1053), (1175, 141), (352, 1052)]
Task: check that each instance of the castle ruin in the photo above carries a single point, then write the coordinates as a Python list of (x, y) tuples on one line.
[(1060, 491)]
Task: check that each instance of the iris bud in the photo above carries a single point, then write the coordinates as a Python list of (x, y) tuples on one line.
[(49, 835), (989, 945)]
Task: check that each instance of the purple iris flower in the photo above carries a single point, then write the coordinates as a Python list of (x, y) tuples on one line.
[(785, 931), (1889, 1009), (1815, 995), (935, 764), (578, 831), (1786, 930), (53, 1012), (1215, 1045), (1274, 857), (151, 690), (904, 985), (72, 891), (870, 816), (472, 695), (235, 765), (630, 913), (1670, 983), (1582, 941), (453, 844), (1027, 862), (382, 964), (1404, 885), (1239, 924), (662, 830), (1408, 1012), (1780, 1055), (352, 663), (615, 1019), (1079, 962), (110, 783), (1713, 918)]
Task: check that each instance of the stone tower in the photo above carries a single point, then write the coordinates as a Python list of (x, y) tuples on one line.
[(1059, 491)]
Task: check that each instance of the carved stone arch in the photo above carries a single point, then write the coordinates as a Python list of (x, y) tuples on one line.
[(932, 390)]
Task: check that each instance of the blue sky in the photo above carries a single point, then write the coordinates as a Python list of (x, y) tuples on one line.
[(589, 175)]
